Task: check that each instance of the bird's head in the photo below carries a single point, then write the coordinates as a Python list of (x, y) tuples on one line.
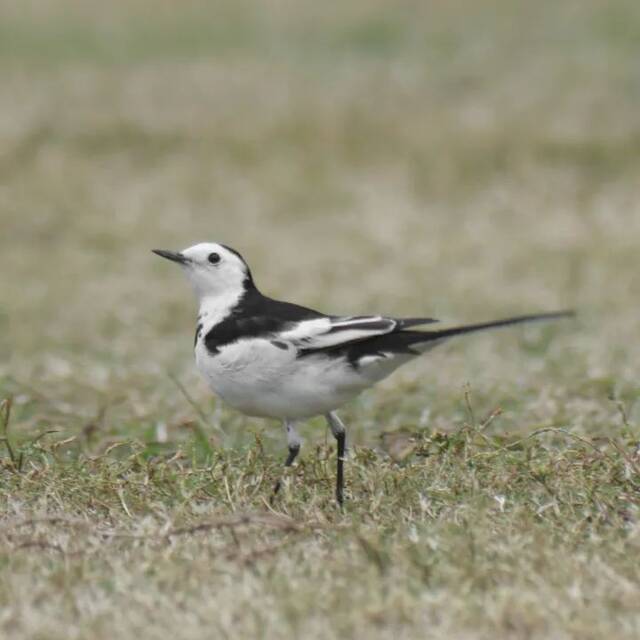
[(213, 270)]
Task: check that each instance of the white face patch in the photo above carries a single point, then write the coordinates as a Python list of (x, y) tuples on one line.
[(215, 272)]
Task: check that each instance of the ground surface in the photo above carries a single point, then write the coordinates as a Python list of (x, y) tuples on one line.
[(461, 159)]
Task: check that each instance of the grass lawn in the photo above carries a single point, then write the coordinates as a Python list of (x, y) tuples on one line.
[(457, 159)]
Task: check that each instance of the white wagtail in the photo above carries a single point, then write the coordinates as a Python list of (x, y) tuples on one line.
[(275, 359)]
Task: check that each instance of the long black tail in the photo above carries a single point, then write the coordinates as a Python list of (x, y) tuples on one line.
[(403, 341), (426, 336)]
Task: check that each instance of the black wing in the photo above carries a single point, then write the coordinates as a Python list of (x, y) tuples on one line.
[(305, 329)]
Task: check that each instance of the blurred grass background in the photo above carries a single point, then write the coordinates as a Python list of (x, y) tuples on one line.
[(457, 159)]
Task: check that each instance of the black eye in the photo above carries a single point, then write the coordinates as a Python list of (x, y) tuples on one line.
[(214, 258)]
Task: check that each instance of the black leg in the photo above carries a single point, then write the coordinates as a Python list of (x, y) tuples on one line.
[(340, 434), (341, 439), (293, 443), (293, 454)]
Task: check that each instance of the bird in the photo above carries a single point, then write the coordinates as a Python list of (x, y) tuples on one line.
[(273, 359)]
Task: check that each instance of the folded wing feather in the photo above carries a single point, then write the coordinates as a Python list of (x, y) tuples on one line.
[(327, 332)]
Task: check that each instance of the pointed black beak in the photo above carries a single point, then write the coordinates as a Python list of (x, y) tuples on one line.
[(174, 256)]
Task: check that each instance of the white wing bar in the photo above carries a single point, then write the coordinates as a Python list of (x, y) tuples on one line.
[(321, 333)]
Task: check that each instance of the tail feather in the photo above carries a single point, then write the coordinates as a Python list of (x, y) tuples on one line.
[(427, 336), (405, 323), (412, 343)]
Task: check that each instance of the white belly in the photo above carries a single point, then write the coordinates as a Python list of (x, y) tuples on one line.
[(260, 379)]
